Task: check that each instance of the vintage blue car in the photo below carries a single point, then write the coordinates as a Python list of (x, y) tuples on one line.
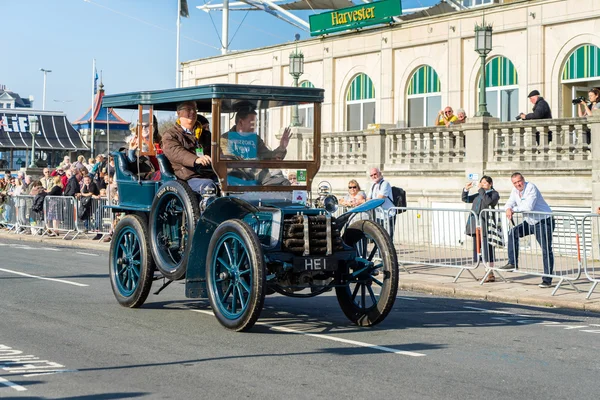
[(252, 233)]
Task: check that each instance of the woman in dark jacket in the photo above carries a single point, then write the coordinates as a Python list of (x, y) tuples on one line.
[(486, 197)]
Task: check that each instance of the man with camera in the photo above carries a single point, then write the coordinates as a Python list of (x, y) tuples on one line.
[(541, 109)]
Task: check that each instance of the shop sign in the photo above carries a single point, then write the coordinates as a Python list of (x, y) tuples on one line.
[(380, 12)]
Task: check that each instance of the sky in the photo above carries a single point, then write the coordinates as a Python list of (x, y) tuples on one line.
[(133, 42)]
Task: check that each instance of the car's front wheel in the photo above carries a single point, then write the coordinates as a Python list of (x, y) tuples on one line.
[(235, 275), (371, 283)]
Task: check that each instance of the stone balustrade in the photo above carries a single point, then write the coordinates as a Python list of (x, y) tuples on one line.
[(432, 162)]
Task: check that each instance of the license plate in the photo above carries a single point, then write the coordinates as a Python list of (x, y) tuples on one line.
[(314, 264)]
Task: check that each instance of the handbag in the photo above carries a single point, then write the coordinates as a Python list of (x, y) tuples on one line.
[(495, 235)]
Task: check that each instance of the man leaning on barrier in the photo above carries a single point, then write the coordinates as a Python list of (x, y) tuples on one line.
[(525, 197)]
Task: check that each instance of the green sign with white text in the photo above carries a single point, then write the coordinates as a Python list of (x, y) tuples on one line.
[(379, 12)]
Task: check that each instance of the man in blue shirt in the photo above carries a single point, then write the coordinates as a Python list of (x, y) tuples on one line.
[(526, 197), (381, 189)]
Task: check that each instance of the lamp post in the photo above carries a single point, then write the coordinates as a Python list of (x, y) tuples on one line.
[(34, 128), (45, 71), (296, 70), (483, 45)]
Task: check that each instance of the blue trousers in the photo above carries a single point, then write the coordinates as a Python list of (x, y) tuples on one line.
[(543, 234)]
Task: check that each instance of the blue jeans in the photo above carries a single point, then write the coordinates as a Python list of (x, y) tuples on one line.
[(543, 234)]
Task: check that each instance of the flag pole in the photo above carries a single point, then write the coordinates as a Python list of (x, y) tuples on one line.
[(93, 107), (177, 49)]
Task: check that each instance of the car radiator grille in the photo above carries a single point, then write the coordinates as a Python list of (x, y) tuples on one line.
[(306, 235)]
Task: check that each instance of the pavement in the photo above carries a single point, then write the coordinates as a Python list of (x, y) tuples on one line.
[(519, 288)]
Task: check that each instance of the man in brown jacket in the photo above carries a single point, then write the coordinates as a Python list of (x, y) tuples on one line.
[(187, 146)]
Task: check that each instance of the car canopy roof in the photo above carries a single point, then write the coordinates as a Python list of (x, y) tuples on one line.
[(264, 97)]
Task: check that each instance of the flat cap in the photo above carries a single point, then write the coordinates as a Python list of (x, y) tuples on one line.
[(533, 93)]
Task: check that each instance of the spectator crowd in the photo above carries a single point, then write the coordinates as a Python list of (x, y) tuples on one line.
[(81, 180)]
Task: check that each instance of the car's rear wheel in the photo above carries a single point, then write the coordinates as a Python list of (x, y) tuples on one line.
[(131, 267), (235, 275), (173, 218), (371, 283)]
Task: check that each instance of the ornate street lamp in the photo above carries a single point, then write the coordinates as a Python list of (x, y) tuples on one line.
[(483, 45), (34, 129), (296, 70)]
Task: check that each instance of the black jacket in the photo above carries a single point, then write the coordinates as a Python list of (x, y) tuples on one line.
[(481, 201), (72, 187), (541, 110), (92, 188)]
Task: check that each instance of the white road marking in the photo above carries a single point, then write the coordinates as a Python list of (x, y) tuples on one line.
[(13, 385), (87, 254), (452, 312), (43, 278), (498, 312), (332, 338), (58, 371)]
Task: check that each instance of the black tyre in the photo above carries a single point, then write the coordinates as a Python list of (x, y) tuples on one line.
[(131, 268), (173, 218), (235, 275), (372, 280)]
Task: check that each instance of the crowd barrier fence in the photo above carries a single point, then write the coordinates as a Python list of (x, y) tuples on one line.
[(433, 237), (591, 251), (543, 244), (8, 215), (26, 217)]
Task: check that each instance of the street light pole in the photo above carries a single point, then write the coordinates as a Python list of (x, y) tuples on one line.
[(45, 71), (34, 128), (296, 70), (483, 45)]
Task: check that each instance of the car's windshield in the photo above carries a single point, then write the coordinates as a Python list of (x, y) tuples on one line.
[(266, 131)]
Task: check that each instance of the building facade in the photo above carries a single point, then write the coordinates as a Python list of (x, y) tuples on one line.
[(10, 99), (401, 75), (384, 87)]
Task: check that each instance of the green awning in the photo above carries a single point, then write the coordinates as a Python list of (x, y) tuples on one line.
[(361, 88), (500, 71), (307, 84), (424, 80), (583, 63)]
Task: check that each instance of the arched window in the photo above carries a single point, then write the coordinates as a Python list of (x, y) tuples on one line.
[(424, 96), (501, 88), (360, 103), (581, 72), (306, 111)]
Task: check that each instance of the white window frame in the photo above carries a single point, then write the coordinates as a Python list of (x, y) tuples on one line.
[(497, 90), (362, 103), (421, 96)]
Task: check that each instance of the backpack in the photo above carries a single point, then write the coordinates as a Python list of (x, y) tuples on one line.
[(398, 198)]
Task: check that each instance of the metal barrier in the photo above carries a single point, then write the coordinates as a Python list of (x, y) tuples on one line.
[(8, 215), (540, 244), (99, 218), (433, 237), (27, 218), (61, 215), (591, 251)]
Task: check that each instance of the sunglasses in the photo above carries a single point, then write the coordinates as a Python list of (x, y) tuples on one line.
[(448, 112), (352, 187), (145, 126)]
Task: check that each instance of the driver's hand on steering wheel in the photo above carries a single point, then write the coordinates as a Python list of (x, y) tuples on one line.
[(203, 160)]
